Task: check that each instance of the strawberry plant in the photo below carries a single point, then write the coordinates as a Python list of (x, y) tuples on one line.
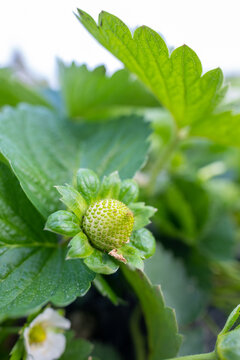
[(119, 207)]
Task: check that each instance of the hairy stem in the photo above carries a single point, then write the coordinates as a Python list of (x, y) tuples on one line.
[(161, 162)]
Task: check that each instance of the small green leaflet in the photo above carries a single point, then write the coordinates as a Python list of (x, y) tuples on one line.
[(45, 150), (93, 95), (176, 79), (32, 264), (13, 91), (163, 338)]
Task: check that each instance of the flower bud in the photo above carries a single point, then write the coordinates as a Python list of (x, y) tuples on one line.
[(228, 345), (228, 341)]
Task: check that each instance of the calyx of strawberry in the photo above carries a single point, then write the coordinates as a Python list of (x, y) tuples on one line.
[(104, 222)]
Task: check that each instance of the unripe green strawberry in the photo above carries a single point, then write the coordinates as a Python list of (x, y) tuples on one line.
[(108, 224)]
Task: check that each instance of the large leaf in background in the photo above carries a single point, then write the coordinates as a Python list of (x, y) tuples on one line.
[(31, 262), (93, 94), (180, 291), (193, 341), (176, 79), (45, 150), (183, 209), (13, 91), (163, 338), (218, 242)]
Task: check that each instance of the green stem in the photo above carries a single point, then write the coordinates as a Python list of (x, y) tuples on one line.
[(161, 162), (138, 339), (208, 356), (10, 329)]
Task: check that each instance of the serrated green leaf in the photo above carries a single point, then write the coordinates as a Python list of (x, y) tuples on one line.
[(29, 277), (79, 247), (75, 281), (175, 80), (88, 184), (32, 264), (163, 338), (110, 187), (94, 95), (142, 214), (129, 191), (73, 200), (101, 263), (76, 349), (180, 291), (63, 222), (50, 150), (144, 242)]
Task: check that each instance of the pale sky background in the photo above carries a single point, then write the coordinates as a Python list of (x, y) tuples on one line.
[(46, 29)]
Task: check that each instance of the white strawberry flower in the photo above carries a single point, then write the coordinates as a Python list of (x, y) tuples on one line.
[(43, 338)]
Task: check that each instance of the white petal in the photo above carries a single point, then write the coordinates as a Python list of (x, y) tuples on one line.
[(51, 349), (52, 318), (26, 340)]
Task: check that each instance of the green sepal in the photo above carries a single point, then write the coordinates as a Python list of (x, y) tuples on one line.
[(129, 191), (144, 242), (79, 247), (63, 222), (88, 184), (132, 255), (141, 213), (110, 187), (72, 199), (233, 317), (105, 289), (101, 263), (18, 350)]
